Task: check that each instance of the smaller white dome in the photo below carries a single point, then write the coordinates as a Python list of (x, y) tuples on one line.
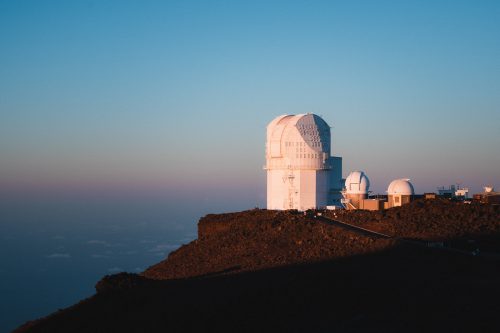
[(357, 183), (401, 186)]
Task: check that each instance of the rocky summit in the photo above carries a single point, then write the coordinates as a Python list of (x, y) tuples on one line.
[(435, 268)]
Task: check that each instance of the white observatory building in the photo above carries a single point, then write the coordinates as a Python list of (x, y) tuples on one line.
[(301, 173), (400, 192), (356, 190)]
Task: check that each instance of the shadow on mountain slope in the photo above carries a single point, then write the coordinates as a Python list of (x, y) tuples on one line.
[(403, 288)]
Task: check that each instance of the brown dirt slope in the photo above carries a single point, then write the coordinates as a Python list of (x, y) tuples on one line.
[(259, 239), (428, 219), (293, 273)]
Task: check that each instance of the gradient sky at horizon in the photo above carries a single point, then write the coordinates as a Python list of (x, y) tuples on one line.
[(172, 97)]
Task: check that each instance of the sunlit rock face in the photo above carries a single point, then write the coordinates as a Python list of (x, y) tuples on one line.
[(301, 173)]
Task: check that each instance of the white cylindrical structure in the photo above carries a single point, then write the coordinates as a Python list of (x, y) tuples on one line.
[(356, 189), (298, 163), (399, 192), (357, 183)]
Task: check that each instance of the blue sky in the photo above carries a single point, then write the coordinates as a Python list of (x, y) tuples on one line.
[(167, 96)]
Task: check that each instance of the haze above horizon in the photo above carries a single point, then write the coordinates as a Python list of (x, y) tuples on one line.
[(172, 98)]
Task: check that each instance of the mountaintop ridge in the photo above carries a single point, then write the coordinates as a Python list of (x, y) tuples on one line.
[(262, 270)]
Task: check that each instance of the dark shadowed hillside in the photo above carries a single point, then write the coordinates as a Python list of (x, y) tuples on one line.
[(261, 270)]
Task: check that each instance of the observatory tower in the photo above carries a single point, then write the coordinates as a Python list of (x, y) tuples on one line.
[(301, 174), (357, 185)]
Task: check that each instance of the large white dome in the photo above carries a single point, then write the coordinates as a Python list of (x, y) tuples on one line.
[(357, 183), (401, 186), (303, 130), (298, 142)]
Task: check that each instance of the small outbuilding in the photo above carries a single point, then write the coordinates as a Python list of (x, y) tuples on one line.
[(489, 196), (356, 189), (400, 192)]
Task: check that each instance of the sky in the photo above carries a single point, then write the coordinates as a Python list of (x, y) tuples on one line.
[(171, 98), (122, 122)]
